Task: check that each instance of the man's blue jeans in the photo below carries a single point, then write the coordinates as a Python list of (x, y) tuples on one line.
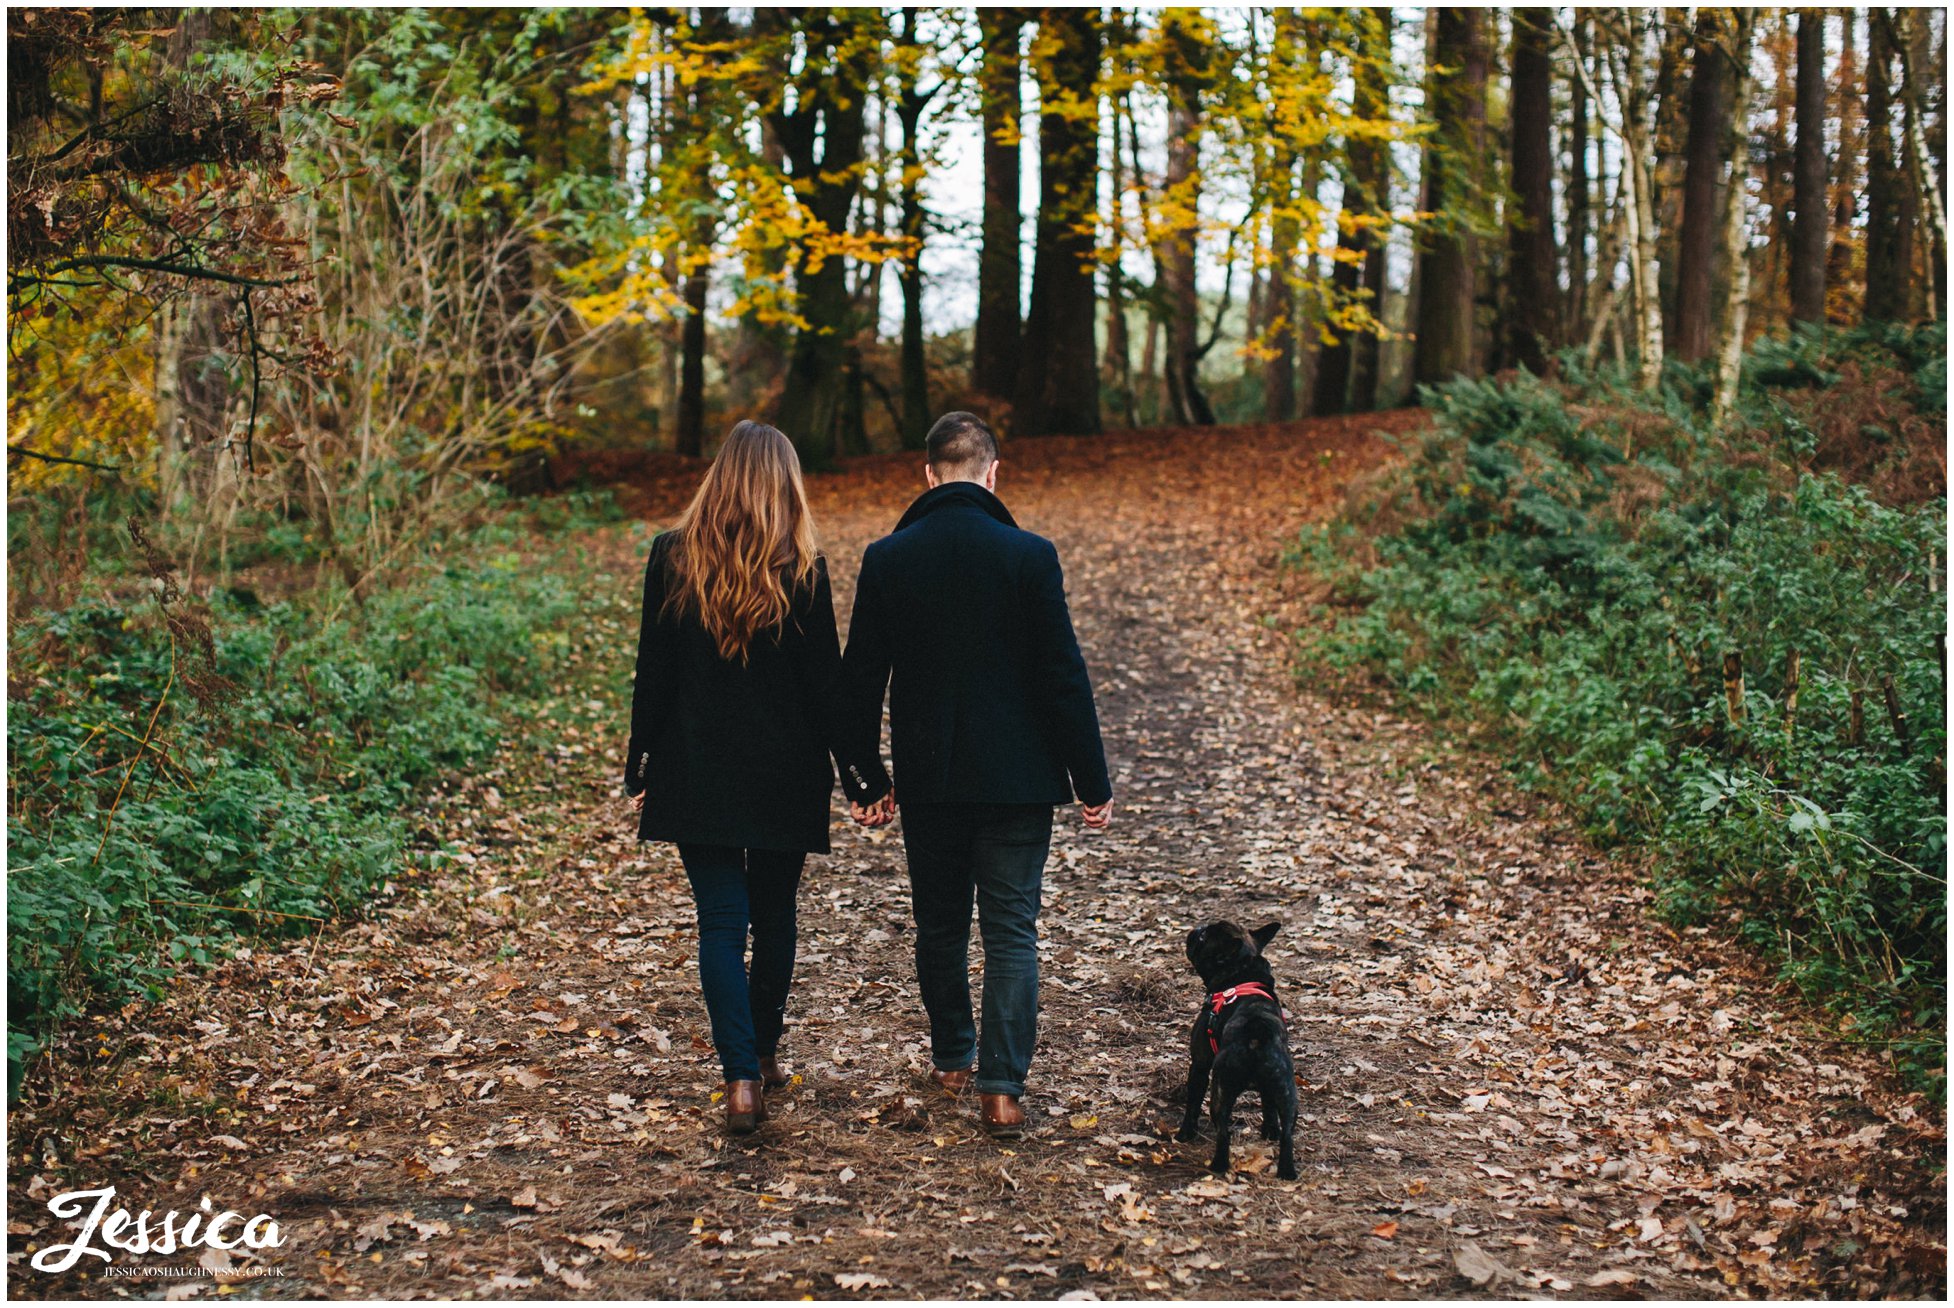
[(735, 888), (996, 854)]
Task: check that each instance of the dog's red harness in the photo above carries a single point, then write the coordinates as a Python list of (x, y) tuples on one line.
[(1220, 999)]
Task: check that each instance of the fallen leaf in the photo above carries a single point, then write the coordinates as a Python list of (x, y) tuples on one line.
[(1479, 1267)]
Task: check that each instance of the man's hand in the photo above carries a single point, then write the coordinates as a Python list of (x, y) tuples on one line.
[(878, 814), (1096, 815), (638, 802)]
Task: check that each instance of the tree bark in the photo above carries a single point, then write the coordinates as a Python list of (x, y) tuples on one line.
[(1709, 132), (1915, 50), (994, 360), (1809, 238), (911, 103), (1184, 127), (1850, 110), (822, 137), (1577, 186), (1369, 168), (1532, 272), (1061, 394), (1118, 365), (1452, 176), (1285, 231), (1730, 348), (1889, 242)]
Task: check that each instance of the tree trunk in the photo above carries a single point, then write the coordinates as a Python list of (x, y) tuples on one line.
[(1709, 132), (1915, 49), (1118, 365), (822, 137), (994, 357), (1532, 278), (690, 423), (1279, 298), (1809, 239), (1183, 303), (911, 104), (1889, 244), (1061, 394), (1370, 99), (1453, 175), (1577, 187), (759, 353), (1730, 349), (1851, 159)]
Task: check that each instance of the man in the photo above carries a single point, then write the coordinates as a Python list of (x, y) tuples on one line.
[(961, 616)]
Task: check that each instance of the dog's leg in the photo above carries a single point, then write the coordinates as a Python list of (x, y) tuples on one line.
[(1197, 1094), (1286, 1159), (1224, 1124), (1271, 1115), (1200, 1061)]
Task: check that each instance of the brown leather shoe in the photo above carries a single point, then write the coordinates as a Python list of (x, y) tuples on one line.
[(770, 1074), (1003, 1116), (951, 1083), (746, 1107)]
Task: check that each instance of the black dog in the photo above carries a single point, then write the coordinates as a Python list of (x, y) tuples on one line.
[(1241, 1040)]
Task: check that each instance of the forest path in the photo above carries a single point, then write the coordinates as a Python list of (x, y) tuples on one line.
[(1515, 1082)]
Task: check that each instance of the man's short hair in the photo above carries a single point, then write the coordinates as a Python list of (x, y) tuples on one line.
[(961, 444)]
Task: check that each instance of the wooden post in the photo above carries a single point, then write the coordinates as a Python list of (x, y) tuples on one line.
[(1791, 671), (1733, 686), (1893, 711)]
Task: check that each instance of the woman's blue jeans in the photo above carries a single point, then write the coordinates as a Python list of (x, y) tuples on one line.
[(735, 889)]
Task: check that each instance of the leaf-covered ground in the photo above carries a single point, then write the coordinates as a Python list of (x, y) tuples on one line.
[(1516, 1083)]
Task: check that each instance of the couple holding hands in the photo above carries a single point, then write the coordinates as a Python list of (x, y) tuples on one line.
[(743, 693)]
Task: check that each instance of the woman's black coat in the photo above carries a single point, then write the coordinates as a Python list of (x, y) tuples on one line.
[(730, 753)]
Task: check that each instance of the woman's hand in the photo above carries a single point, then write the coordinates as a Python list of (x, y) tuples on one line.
[(878, 814), (638, 802), (1096, 815)]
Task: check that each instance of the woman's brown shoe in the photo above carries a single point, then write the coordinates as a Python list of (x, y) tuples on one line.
[(770, 1074), (746, 1107), (1003, 1116)]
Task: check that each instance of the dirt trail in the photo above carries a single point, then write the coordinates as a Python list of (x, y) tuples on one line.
[(1515, 1082)]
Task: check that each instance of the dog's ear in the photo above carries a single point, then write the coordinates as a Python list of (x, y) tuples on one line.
[(1263, 934)]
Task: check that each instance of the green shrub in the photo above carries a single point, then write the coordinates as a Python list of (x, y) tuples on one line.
[(284, 762), (1565, 567)]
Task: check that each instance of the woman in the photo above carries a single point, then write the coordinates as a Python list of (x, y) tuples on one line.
[(737, 663)]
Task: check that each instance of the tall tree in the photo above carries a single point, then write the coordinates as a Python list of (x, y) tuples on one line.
[(1285, 232), (1923, 162), (1730, 347), (1453, 177), (911, 101), (1370, 168), (1532, 264), (1186, 42), (1061, 394), (1809, 238), (1710, 79), (994, 361), (822, 137), (1848, 86), (1889, 238), (1576, 308)]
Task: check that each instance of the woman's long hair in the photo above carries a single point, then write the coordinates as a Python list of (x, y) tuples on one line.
[(745, 542)]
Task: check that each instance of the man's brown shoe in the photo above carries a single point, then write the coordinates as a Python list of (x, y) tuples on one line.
[(746, 1107), (951, 1083), (1003, 1116), (770, 1074)]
